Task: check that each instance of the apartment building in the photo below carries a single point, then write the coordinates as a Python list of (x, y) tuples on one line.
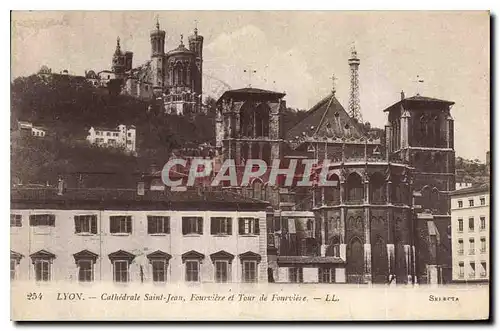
[(136, 236), (470, 232), (122, 136)]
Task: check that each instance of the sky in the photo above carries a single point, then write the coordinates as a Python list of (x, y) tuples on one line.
[(295, 52)]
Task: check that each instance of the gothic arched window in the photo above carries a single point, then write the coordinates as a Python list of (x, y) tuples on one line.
[(355, 189)]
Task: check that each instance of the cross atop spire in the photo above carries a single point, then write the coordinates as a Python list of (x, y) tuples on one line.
[(157, 23), (333, 78), (418, 81), (182, 37), (195, 27)]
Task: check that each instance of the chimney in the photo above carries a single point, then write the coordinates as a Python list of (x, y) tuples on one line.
[(60, 186), (402, 95), (140, 188)]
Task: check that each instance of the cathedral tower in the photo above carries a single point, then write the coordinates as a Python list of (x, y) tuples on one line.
[(118, 62), (157, 58), (196, 46)]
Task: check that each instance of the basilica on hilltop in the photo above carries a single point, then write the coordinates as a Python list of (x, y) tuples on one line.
[(173, 78)]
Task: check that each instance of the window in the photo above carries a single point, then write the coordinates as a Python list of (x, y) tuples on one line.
[(85, 271), (221, 271), (471, 224), (13, 264), (120, 271), (460, 225), (129, 134), (471, 202), (482, 225), (326, 275), (249, 271), (460, 204), (42, 270), (192, 225), (159, 271), (43, 220), (86, 224), (483, 244), (248, 225), (192, 271), (472, 272), (483, 269), (295, 275), (120, 224), (309, 225), (460, 246), (220, 225), (15, 220), (108, 134), (158, 224), (460, 270), (482, 200), (471, 246)]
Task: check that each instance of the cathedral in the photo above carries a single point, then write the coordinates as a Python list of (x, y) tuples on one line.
[(386, 220), (173, 77)]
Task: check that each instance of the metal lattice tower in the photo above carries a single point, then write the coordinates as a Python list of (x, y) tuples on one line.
[(354, 107)]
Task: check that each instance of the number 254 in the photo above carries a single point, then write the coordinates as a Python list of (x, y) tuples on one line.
[(34, 296)]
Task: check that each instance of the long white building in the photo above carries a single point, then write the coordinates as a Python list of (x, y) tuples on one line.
[(87, 235), (470, 232), (122, 136)]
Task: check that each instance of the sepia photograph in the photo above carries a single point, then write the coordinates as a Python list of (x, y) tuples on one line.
[(250, 165)]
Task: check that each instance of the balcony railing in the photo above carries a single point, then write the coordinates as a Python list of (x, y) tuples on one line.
[(460, 252), (472, 251)]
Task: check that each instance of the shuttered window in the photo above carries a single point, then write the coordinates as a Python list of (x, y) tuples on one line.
[(15, 220), (248, 225), (158, 224), (43, 220), (86, 224), (221, 225), (120, 224), (192, 225)]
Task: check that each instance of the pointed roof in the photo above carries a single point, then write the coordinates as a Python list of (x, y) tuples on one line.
[(159, 255), (121, 255), (250, 256), (326, 119), (42, 254), (222, 255), (85, 255), (418, 100), (194, 255)]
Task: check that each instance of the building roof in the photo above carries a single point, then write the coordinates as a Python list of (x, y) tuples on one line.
[(181, 49), (101, 128), (418, 100), (326, 119), (478, 188), (97, 198), (243, 93)]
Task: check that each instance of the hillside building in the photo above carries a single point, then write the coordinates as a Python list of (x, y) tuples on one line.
[(122, 136)]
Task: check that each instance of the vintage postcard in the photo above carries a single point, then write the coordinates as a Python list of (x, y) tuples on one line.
[(250, 165)]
